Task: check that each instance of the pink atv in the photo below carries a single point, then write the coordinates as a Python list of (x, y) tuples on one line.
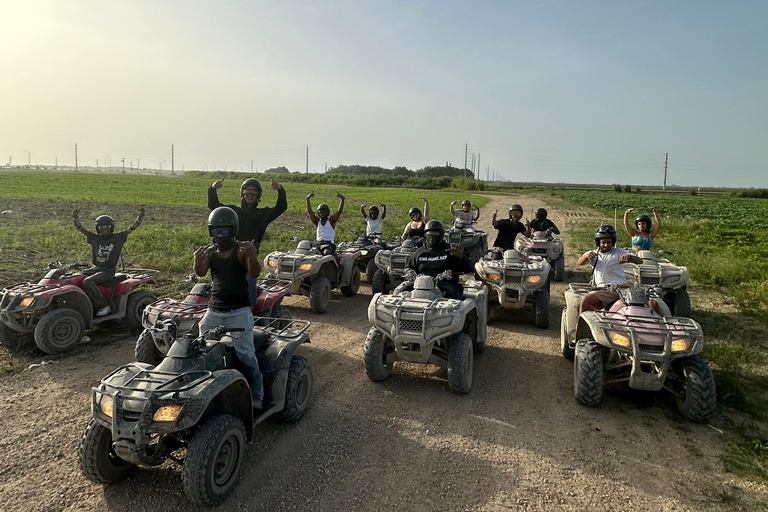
[(58, 311), (649, 351), (154, 342), (543, 244)]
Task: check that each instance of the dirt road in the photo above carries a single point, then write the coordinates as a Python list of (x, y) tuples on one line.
[(518, 441)]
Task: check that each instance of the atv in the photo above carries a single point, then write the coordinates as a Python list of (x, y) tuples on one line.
[(473, 242), (391, 265), (632, 343), (418, 325), (58, 311), (368, 247), (156, 339), (314, 274), (668, 279), (547, 246), (516, 283), (197, 400)]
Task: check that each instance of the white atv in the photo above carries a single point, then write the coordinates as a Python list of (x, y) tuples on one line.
[(517, 284), (547, 246), (669, 279), (420, 325)]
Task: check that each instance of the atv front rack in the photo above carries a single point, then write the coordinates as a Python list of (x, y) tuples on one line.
[(269, 284), (153, 382), (281, 327)]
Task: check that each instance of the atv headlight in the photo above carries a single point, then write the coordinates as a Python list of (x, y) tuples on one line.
[(533, 279), (26, 302), (272, 262), (442, 321), (680, 345), (385, 316), (167, 413), (305, 266), (106, 406), (364, 252), (620, 340), (555, 249)]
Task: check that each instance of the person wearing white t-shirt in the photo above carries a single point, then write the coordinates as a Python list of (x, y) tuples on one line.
[(465, 213), (372, 220), (607, 260), (325, 223)]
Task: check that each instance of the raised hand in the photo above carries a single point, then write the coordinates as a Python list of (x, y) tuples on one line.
[(495, 212), (275, 185), (141, 211), (455, 250), (76, 212), (311, 195), (630, 210), (218, 183), (340, 196)]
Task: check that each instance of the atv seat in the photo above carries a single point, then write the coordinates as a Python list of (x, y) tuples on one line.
[(117, 279)]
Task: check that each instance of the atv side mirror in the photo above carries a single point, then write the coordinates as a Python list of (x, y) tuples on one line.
[(445, 276)]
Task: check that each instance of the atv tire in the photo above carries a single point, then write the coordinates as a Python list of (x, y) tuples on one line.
[(699, 396), (588, 373), (320, 295), (381, 282), (137, 301), (146, 351), (476, 253), (96, 458), (559, 269), (354, 283), (541, 308), (280, 311), (375, 351), (214, 459), (460, 363), (565, 347), (370, 270), (298, 391), (59, 330), (681, 304), (8, 337)]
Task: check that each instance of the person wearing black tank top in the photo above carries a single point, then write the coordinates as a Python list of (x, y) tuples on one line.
[(229, 261), (415, 228)]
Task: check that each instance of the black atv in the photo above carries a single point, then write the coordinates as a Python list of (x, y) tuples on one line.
[(368, 246), (195, 399)]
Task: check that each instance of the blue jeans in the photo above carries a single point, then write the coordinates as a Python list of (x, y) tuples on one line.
[(242, 341)]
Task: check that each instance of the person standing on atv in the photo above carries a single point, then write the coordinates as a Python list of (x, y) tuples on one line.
[(509, 229), (372, 220), (106, 246), (542, 223), (253, 220), (607, 261), (644, 231), (436, 256), (230, 261), (325, 223), (465, 214), (415, 228)]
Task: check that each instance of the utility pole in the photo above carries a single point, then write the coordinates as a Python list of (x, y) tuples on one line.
[(56, 165), (97, 163), (307, 168), (466, 146), (138, 163), (487, 170), (251, 166), (666, 159), (477, 174), (75, 155), (29, 158), (171, 158), (473, 165), (123, 160)]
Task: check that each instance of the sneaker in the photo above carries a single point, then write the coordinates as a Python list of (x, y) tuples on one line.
[(257, 404), (104, 311)]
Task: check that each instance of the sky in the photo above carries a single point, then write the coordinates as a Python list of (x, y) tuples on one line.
[(548, 91)]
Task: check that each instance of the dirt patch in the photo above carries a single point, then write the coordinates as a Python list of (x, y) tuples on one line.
[(518, 441)]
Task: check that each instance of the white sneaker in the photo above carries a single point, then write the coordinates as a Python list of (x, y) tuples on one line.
[(104, 311)]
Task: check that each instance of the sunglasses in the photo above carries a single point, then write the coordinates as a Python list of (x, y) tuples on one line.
[(250, 194), (517, 212), (220, 232)]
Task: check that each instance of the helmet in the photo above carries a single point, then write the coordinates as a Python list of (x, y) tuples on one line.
[(105, 220), (605, 231), (413, 211), (323, 207), (223, 218), (643, 218), (541, 213), (252, 183), (374, 209), (515, 208), (433, 233), (466, 202)]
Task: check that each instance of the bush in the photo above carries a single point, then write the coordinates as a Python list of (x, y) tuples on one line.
[(467, 184), (617, 187), (693, 192), (628, 189)]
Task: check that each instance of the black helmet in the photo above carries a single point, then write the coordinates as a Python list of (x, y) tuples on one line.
[(252, 183), (105, 220), (373, 209), (605, 231), (223, 218), (433, 233), (515, 208), (325, 208), (413, 211), (645, 218), (541, 213), (466, 202)]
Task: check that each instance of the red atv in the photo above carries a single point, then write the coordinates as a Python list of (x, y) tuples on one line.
[(58, 311), (156, 339)]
